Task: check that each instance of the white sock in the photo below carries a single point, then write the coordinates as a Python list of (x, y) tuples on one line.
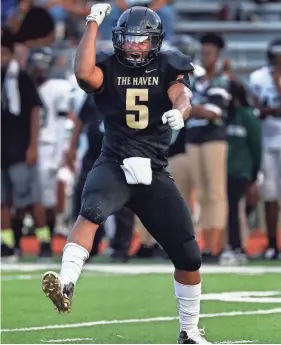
[(73, 259), (188, 297)]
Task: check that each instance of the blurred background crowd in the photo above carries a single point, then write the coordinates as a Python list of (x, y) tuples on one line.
[(228, 170)]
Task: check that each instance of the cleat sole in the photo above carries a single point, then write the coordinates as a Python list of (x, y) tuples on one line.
[(52, 288)]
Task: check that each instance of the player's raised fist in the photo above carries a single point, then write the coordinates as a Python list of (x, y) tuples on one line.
[(174, 119), (98, 13)]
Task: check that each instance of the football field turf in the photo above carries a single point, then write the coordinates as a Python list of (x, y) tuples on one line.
[(135, 304)]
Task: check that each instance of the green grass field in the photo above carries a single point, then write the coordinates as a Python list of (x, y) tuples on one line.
[(123, 307)]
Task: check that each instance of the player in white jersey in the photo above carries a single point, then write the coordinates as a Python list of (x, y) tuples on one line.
[(55, 94), (266, 87)]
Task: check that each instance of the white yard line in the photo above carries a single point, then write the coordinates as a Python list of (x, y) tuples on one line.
[(143, 269), (236, 342), (64, 340), (144, 320), (21, 277), (39, 276)]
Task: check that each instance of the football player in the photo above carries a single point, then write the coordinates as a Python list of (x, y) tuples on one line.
[(266, 87), (143, 95), (55, 94)]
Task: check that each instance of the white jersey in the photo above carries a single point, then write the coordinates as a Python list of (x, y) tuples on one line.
[(79, 97), (263, 87), (56, 97)]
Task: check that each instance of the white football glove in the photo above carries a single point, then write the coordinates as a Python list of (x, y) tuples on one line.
[(98, 13), (174, 119)]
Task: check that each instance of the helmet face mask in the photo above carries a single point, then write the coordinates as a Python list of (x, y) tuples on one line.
[(137, 37)]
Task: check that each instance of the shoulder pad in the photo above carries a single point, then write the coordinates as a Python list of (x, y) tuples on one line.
[(102, 56), (182, 63)]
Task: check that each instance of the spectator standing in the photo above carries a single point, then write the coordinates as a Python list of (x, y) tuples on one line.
[(243, 165), (207, 146)]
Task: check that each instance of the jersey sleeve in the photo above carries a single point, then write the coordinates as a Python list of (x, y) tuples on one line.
[(254, 84), (102, 61), (86, 109), (179, 64), (32, 97), (78, 95)]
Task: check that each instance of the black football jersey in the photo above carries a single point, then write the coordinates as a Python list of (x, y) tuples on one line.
[(133, 101)]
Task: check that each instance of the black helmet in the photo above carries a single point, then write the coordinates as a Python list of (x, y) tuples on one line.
[(40, 61), (186, 45), (137, 25), (274, 49)]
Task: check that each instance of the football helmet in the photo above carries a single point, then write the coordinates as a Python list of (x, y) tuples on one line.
[(39, 63), (186, 45), (274, 49), (137, 36)]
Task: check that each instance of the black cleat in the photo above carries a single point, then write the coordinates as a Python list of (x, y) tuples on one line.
[(8, 254), (144, 252), (119, 256), (61, 296), (183, 339), (45, 251)]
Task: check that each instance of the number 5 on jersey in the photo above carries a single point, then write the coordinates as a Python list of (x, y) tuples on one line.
[(140, 120)]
